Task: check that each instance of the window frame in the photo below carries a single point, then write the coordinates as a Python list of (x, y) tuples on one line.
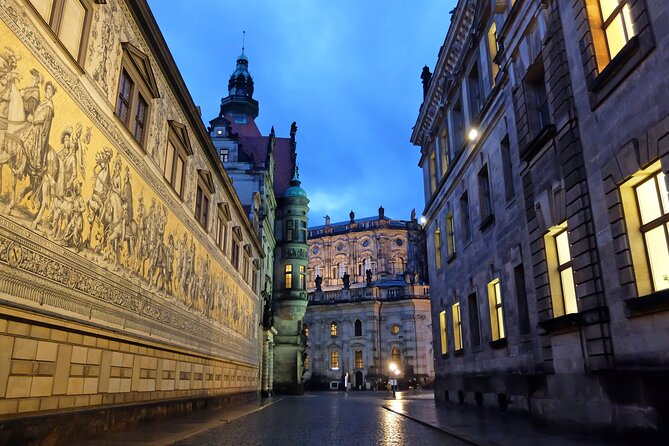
[(334, 360), (203, 201), (443, 326), (358, 359), (458, 341), (563, 303), (288, 276), (333, 329), (177, 138), (497, 326), (437, 248)]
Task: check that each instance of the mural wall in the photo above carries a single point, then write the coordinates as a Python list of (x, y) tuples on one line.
[(85, 224)]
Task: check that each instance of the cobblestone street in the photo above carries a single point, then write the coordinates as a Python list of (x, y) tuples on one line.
[(324, 419)]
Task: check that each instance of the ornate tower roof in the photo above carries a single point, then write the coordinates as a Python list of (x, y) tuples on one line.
[(240, 91)]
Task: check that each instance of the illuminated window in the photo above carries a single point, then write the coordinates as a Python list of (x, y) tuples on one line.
[(358, 359), (561, 273), (492, 51), (457, 327), (433, 172), (288, 273), (450, 235), (395, 329), (69, 19), (334, 360), (396, 355), (306, 362), (302, 277), (442, 330), (437, 248), (611, 27), (653, 205), (358, 327), (306, 330), (333, 329), (496, 314)]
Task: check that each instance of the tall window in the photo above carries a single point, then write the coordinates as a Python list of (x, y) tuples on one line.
[(437, 248), (433, 172), (358, 327), (306, 330), (474, 327), (303, 272), (140, 118), (396, 356), (221, 230), (306, 362), (125, 87), (235, 253), (457, 326), (464, 217), (496, 314), (485, 197), (358, 359), (69, 20), (202, 205), (334, 360), (611, 27), (333, 329), (653, 201), (474, 90), (174, 168), (521, 299), (561, 273), (458, 126), (444, 150), (505, 151), (492, 51), (288, 274), (442, 332), (289, 230), (450, 235), (538, 113)]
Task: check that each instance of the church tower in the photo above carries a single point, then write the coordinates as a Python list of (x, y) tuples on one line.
[(240, 103)]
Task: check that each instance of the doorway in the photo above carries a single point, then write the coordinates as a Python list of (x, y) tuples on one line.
[(358, 380)]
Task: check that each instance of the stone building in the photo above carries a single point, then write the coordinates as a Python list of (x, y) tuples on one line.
[(264, 174), (369, 303), (543, 142), (129, 271)]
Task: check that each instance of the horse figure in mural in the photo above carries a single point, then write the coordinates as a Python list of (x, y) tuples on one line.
[(96, 204)]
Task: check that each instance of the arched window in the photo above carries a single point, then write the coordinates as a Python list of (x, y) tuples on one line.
[(358, 327), (334, 360), (333, 329), (396, 355)]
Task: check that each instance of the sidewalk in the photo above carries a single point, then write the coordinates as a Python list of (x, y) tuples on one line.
[(169, 430), (487, 427)]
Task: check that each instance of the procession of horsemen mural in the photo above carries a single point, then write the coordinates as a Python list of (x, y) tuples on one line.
[(57, 179)]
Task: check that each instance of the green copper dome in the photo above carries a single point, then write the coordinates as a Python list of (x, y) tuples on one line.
[(294, 190)]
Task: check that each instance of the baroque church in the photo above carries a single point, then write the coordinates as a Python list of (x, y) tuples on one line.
[(266, 178), (368, 317)]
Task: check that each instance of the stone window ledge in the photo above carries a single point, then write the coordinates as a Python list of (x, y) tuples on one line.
[(653, 303), (620, 67), (499, 343), (528, 152), (488, 221), (563, 324)]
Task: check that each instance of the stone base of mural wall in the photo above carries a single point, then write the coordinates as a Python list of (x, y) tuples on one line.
[(612, 403), (63, 428), (53, 369)]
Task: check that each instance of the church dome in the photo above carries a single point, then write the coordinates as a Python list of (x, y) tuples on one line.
[(295, 190)]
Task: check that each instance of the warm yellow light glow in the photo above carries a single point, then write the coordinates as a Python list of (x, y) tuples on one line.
[(473, 134), (392, 367), (397, 372), (423, 220)]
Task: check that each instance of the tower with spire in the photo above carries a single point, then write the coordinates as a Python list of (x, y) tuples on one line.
[(266, 179)]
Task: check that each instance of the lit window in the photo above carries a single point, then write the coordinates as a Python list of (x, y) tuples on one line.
[(560, 271), (442, 330), (358, 359), (69, 19), (496, 314), (433, 172), (333, 329), (334, 360), (288, 273), (437, 248), (443, 149), (306, 362), (302, 277), (492, 51), (306, 330), (450, 235), (396, 355), (395, 329), (653, 201), (612, 28), (457, 327)]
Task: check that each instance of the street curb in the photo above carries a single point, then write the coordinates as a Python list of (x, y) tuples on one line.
[(452, 433), (213, 425)]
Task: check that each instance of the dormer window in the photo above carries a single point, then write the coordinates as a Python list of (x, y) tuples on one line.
[(176, 156)]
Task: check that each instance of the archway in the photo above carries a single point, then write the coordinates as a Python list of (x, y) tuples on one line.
[(359, 384)]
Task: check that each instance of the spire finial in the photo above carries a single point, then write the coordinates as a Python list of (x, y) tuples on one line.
[(243, 40)]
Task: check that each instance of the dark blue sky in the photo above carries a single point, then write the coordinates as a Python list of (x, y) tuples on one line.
[(347, 71)]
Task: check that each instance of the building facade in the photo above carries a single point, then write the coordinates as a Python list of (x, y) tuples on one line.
[(545, 205), (264, 174), (369, 304), (119, 298)]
